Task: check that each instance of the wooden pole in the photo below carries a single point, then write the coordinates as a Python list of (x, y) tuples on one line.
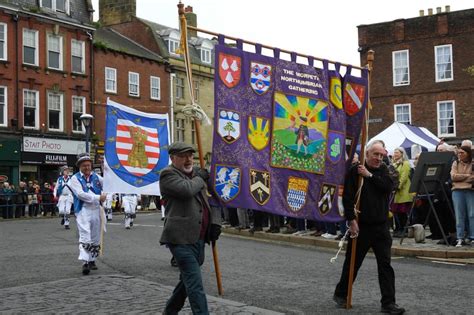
[(197, 126), (363, 142)]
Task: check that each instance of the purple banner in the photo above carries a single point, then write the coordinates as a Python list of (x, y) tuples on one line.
[(280, 141)]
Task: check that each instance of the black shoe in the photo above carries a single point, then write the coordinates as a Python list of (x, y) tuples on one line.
[(92, 265), (127, 228), (392, 309), (131, 223), (340, 301), (67, 227), (173, 262), (85, 269), (62, 221)]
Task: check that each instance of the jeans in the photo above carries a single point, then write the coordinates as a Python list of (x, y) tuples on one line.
[(189, 257), (463, 201)]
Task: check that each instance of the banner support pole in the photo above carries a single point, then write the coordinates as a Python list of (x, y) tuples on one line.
[(363, 142), (197, 126)]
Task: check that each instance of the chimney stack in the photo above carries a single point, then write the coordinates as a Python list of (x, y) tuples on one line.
[(430, 11), (438, 10), (422, 12), (447, 8), (116, 11), (191, 19)]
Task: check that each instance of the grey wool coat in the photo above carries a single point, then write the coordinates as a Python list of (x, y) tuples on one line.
[(183, 206)]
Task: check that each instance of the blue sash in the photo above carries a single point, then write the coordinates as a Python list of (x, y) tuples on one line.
[(93, 184)]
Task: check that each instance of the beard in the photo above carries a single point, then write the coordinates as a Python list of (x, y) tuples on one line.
[(188, 169)]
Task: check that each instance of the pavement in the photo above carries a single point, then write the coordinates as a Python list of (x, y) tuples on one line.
[(409, 248), (99, 294)]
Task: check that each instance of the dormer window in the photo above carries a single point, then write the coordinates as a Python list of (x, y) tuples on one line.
[(204, 47), (56, 5), (172, 45), (172, 39)]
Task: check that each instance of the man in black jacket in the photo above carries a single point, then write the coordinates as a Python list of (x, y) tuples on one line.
[(372, 228)]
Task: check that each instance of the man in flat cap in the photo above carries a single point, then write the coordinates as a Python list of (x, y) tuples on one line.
[(86, 187), (64, 195), (189, 223)]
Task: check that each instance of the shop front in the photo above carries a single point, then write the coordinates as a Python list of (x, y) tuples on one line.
[(10, 160), (41, 158)]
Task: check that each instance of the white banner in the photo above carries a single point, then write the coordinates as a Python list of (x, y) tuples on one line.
[(136, 150)]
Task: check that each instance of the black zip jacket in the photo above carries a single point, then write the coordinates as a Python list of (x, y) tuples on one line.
[(374, 197)]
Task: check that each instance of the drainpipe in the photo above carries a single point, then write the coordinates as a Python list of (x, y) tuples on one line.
[(17, 71), (91, 74)]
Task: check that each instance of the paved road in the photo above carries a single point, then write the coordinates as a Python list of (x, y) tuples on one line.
[(39, 256)]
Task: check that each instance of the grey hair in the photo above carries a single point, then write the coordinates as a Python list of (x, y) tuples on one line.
[(374, 142), (403, 152)]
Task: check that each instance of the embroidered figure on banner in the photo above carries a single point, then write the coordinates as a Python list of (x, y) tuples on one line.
[(335, 146), (229, 69), (299, 133), (137, 157), (258, 132), (260, 77), (349, 148), (228, 125), (326, 197), (227, 182), (260, 186), (296, 193), (354, 97)]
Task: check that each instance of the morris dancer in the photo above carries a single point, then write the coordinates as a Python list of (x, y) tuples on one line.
[(64, 195), (108, 205), (87, 189), (129, 202)]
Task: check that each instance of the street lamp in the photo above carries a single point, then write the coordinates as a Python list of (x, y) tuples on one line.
[(86, 120)]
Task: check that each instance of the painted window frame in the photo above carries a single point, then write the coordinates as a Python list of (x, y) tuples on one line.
[(180, 129), (438, 117), (450, 70), (83, 52), (395, 68), (4, 46), (206, 55), (49, 94), (114, 80), (83, 101), (5, 106), (130, 84), (179, 83), (61, 63), (395, 112), (154, 87), (37, 109), (36, 47), (54, 6)]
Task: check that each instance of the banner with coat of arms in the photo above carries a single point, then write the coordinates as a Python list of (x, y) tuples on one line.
[(136, 150), (281, 132)]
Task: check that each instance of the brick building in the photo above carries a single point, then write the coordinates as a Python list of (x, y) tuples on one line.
[(164, 40), (45, 85), (127, 73), (420, 72)]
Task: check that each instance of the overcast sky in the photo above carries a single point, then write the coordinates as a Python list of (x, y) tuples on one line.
[(325, 29)]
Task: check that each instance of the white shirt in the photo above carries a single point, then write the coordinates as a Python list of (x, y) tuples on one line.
[(91, 200)]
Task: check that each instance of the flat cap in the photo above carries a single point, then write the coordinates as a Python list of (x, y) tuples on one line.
[(180, 147), (82, 157)]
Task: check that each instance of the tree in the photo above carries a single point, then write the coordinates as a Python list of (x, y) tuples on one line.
[(229, 128)]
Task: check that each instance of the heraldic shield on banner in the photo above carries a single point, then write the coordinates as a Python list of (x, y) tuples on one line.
[(258, 132), (297, 192), (354, 97), (260, 186), (230, 68), (134, 146), (336, 146), (335, 92), (326, 197), (228, 125), (227, 181), (260, 77)]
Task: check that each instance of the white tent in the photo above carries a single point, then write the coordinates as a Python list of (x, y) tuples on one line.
[(407, 136)]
